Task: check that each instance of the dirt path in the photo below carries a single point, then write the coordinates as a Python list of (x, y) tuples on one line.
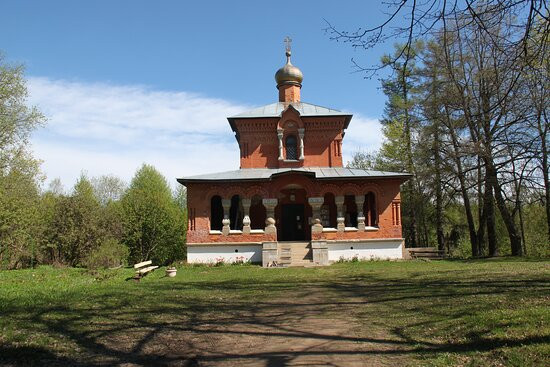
[(300, 330)]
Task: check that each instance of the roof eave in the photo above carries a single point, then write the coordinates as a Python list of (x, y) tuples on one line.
[(232, 119), (183, 181), (347, 121), (401, 176)]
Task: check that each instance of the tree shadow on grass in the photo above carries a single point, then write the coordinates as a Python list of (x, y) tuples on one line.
[(239, 322), (32, 356)]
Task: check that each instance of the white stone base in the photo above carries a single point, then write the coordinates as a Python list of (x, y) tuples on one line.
[(383, 249), (211, 254), (365, 250)]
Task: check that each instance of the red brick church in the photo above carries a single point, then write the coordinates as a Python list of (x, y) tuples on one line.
[(292, 202)]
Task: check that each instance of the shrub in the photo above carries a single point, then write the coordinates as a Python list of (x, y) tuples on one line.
[(110, 254)]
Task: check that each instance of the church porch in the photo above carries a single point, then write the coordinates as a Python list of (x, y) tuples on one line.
[(268, 222)]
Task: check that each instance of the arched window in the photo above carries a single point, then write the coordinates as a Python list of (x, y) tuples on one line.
[(328, 211), (216, 213), (236, 213), (291, 145), (351, 211), (369, 210), (257, 213)]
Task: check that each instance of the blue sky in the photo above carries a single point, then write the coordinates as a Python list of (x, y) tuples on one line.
[(126, 82)]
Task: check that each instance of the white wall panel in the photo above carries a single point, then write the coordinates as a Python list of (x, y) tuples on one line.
[(210, 254), (391, 249)]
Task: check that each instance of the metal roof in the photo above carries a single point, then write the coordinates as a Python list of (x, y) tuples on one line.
[(261, 174), (275, 110)]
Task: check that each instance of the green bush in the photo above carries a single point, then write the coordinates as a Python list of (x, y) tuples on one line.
[(536, 235), (110, 254)]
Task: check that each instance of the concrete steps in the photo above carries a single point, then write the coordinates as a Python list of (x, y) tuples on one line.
[(295, 254), (285, 255)]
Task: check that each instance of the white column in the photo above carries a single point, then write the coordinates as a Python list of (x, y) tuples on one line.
[(359, 201), (316, 204), (301, 133), (280, 136), (340, 218), (270, 205), (246, 219), (226, 203)]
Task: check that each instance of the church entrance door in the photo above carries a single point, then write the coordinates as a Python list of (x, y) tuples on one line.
[(293, 222)]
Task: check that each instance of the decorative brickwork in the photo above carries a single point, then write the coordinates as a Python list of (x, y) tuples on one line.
[(259, 143), (385, 192)]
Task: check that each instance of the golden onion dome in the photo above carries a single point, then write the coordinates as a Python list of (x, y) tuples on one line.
[(289, 74)]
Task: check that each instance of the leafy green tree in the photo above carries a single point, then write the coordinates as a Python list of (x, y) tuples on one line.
[(17, 119), (75, 228), (364, 160), (154, 227), (401, 124), (19, 214), (48, 207), (108, 188), (180, 198), (55, 187), (467, 115), (19, 171)]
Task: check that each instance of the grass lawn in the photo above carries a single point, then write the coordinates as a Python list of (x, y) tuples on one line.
[(445, 313)]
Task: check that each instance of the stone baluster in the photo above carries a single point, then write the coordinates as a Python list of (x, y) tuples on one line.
[(360, 201), (270, 205), (280, 137), (316, 204), (246, 219), (301, 133), (226, 204), (340, 219)]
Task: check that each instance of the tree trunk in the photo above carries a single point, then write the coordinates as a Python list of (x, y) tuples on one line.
[(412, 230), (542, 127), (410, 164), (515, 239), (489, 210), (481, 215), (522, 228), (438, 192), (463, 188)]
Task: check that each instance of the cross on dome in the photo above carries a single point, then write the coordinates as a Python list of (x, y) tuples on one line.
[(288, 42), (289, 78)]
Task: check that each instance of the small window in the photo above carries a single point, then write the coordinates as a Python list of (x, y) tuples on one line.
[(291, 148)]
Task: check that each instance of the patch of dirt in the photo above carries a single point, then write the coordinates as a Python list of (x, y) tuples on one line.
[(299, 330)]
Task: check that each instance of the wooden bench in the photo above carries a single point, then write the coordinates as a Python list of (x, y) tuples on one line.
[(431, 253), (142, 269)]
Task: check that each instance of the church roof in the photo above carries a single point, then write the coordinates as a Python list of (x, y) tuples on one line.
[(275, 110), (264, 174)]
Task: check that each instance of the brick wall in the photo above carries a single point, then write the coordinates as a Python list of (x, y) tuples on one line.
[(259, 144), (386, 192)]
